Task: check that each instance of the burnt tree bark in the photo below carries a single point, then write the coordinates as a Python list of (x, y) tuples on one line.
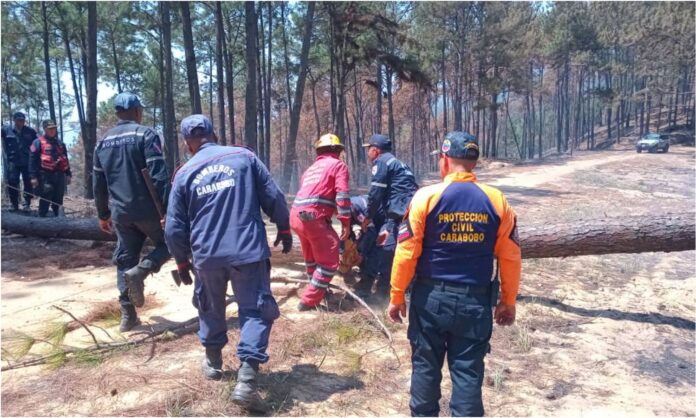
[(666, 233)]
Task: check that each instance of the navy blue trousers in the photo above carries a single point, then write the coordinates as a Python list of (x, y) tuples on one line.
[(251, 284), (131, 237), (13, 173), (52, 190), (456, 322)]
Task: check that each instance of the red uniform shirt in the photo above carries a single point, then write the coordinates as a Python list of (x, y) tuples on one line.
[(324, 188)]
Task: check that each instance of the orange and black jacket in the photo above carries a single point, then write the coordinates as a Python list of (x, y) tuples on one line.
[(453, 232)]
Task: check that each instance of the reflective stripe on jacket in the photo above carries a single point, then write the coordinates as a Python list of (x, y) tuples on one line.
[(453, 232), (391, 188), (324, 188)]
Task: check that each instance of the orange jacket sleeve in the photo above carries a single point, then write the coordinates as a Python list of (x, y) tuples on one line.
[(507, 248), (410, 239)]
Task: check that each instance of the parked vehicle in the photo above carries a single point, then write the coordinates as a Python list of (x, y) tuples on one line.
[(653, 142)]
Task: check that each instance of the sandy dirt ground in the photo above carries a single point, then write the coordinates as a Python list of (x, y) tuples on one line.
[(602, 336)]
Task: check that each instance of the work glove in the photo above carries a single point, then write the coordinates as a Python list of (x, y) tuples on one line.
[(286, 238), (184, 270)]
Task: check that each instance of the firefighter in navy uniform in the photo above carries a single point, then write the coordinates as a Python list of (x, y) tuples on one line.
[(49, 169), (214, 227), (124, 205), (370, 253), (16, 141), (391, 189), (453, 233)]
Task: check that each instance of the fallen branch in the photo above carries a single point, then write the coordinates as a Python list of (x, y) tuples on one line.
[(96, 343), (180, 328), (349, 292)]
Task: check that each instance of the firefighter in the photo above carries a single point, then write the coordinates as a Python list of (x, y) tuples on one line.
[(370, 253), (450, 239), (119, 158), (16, 141), (49, 169), (214, 226), (391, 189), (323, 192)]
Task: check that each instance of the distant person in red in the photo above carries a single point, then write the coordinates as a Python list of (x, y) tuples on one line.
[(323, 191), (49, 169)]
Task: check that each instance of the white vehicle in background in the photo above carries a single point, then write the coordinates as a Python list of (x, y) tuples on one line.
[(653, 142)]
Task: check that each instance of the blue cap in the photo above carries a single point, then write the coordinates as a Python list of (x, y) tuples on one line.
[(458, 144), (380, 141), (19, 116), (125, 101), (196, 121)]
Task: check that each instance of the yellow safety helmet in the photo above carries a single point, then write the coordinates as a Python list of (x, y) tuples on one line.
[(328, 140)]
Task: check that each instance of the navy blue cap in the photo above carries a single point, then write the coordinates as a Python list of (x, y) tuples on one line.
[(458, 144), (196, 121), (125, 101), (49, 124), (19, 116), (380, 141)]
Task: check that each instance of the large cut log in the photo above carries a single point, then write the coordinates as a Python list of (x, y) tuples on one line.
[(631, 234), (67, 228)]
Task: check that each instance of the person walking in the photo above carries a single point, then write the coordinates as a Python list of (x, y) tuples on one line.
[(452, 235), (214, 227), (124, 205)]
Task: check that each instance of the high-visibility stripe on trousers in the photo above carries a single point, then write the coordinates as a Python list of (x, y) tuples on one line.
[(320, 245)]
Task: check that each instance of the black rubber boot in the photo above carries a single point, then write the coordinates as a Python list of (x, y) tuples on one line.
[(129, 318), (212, 363), (245, 394), (135, 280)]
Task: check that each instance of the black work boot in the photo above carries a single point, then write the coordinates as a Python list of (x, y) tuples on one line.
[(212, 363), (129, 318), (135, 280), (245, 394)]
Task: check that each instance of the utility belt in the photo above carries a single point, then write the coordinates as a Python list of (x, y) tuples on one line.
[(492, 289)]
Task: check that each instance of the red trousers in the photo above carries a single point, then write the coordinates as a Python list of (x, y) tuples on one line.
[(320, 244)]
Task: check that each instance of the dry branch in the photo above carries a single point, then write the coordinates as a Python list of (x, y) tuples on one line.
[(349, 292)]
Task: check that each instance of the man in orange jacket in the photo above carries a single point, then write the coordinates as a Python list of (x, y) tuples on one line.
[(452, 234), (323, 191)]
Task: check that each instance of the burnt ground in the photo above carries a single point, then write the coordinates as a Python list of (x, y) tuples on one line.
[(595, 335)]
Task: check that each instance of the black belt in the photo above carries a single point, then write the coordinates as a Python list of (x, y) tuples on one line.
[(455, 287)]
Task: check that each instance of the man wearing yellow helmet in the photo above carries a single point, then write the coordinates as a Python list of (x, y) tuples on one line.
[(323, 191)]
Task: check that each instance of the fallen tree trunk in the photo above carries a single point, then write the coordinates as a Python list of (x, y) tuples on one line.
[(66, 228), (631, 234)]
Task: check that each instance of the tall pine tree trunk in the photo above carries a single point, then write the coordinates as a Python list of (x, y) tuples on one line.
[(191, 69), (170, 138), (47, 63), (91, 84), (250, 113), (219, 62), (290, 160)]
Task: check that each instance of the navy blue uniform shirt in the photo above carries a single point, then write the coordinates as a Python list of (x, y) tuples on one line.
[(16, 144), (215, 208), (392, 187), (119, 187)]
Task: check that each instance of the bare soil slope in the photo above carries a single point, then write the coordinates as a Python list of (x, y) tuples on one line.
[(595, 336)]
